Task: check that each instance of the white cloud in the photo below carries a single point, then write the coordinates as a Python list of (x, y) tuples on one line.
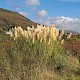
[(32, 2), (17, 9), (65, 23), (24, 14), (42, 13)]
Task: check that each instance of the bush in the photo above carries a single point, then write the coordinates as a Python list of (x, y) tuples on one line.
[(25, 60)]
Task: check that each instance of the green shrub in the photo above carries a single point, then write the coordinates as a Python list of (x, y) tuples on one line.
[(39, 61)]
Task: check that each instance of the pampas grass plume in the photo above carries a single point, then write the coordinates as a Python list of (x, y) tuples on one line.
[(49, 41), (69, 36), (41, 40), (62, 41)]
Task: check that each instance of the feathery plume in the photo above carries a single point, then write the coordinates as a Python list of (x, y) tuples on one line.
[(10, 33), (49, 41), (41, 40), (61, 34), (62, 41), (69, 36), (41, 33), (33, 40)]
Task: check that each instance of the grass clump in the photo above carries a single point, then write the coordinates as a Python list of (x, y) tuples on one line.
[(36, 59)]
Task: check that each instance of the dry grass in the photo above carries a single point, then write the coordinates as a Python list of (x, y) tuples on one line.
[(34, 57), (41, 33)]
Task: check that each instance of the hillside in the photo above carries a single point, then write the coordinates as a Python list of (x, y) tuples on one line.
[(10, 18), (70, 31), (36, 53)]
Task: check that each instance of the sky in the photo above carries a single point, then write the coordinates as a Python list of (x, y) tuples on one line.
[(65, 14)]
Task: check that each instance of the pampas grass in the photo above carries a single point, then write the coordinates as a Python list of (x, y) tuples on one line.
[(69, 36), (37, 54), (61, 34), (62, 41), (40, 33)]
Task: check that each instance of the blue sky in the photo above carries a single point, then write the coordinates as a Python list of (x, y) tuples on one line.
[(43, 11), (68, 8)]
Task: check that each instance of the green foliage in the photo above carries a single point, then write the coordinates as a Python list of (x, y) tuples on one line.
[(21, 60)]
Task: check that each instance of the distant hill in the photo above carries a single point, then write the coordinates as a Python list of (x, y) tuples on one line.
[(10, 18), (70, 31)]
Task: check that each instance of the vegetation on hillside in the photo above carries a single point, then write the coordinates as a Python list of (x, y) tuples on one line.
[(38, 57), (11, 18)]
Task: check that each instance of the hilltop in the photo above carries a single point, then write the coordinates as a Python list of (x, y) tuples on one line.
[(11, 18)]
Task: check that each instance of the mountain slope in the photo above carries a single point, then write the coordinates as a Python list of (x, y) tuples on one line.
[(71, 31), (10, 18)]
